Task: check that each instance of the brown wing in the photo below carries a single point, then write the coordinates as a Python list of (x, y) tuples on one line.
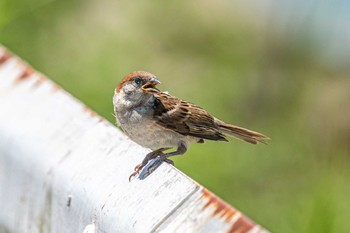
[(185, 118)]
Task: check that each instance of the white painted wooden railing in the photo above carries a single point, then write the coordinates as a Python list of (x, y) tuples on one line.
[(65, 169)]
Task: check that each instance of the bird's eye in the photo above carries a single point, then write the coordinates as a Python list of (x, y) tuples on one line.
[(138, 81)]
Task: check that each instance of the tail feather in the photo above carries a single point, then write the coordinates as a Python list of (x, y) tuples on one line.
[(242, 133)]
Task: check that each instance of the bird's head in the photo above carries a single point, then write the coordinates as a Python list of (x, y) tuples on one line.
[(138, 86)]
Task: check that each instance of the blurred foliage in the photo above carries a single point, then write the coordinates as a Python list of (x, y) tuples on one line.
[(217, 56)]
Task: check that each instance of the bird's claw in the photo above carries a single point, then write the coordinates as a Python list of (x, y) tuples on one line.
[(132, 175), (137, 170)]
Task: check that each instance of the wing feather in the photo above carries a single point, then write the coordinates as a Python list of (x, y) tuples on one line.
[(185, 118)]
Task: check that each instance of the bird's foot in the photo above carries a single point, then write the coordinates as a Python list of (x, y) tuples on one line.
[(152, 165), (150, 156)]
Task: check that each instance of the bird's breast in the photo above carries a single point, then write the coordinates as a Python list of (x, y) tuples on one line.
[(141, 127), (145, 131)]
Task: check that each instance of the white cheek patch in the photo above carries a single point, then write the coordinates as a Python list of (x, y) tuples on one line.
[(128, 89)]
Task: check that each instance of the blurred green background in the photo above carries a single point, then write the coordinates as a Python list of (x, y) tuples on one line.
[(280, 68)]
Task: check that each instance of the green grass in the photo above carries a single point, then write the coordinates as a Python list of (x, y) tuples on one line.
[(221, 61)]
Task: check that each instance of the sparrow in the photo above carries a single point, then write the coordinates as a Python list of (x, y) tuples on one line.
[(160, 121)]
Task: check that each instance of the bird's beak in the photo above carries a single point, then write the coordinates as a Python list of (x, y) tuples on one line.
[(150, 86)]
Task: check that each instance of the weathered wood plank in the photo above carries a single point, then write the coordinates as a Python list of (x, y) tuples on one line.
[(65, 169)]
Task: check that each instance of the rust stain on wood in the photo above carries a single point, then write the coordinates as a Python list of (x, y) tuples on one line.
[(221, 209), (242, 225), (224, 211), (5, 56), (56, 87), (28, 71), (39, 80)]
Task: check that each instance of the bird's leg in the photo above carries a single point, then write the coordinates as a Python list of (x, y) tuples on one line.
[(148, 157), (181, 149)]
